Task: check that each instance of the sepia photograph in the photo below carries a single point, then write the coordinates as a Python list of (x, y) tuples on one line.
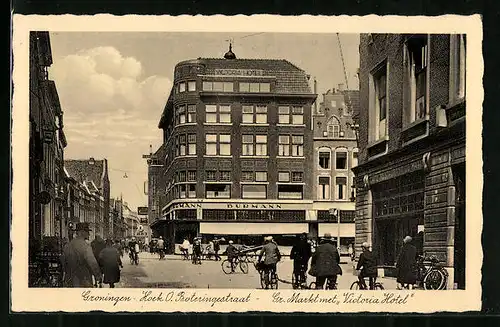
[(250, 160)]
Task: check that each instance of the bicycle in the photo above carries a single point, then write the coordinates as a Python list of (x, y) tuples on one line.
[(268, 277), (229, 267), (329, 285), (134, 258), (356, 285), (432, 277), (302, 282)]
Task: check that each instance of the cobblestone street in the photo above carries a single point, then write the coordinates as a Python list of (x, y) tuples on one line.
[(174, 272)]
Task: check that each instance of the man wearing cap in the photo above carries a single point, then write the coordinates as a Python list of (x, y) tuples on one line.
[(326, 261), (232, 254), (79, 262), (368, 265), (271, 255), (406, 264)]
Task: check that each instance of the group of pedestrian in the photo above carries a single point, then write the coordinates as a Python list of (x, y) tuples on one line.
[(88, 265)]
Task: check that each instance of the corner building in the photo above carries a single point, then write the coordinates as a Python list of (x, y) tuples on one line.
[(411, 174), (238, 143)]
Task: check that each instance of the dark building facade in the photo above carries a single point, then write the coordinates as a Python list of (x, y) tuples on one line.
[(335, 154), (237, 138), (46, 150), (411, 173)]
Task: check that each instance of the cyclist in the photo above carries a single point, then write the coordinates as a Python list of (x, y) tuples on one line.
[(133, 247), (232, 254), (300, 254), (160, 246), (272, 256), (185, 248), (326, 261), (197, 250), (368, 265)]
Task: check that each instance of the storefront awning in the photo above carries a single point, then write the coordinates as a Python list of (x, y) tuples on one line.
[(346, 230), (224, 228)]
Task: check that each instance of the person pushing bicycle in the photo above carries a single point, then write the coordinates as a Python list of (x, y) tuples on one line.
[(300, 254), (368, 265), (272, 256)]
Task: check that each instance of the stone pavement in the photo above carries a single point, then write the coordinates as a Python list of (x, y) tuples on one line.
[(174, 272)]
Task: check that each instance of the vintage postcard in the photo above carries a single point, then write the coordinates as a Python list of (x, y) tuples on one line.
[(246, 163)]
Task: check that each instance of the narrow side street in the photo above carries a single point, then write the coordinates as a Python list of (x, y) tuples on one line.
[(177, 273)]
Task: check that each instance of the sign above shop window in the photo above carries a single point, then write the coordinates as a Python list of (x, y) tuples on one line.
[(239, 72)]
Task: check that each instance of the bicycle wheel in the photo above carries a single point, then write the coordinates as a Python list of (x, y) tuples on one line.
[(243, 267), (226, 267), (434, 280), (378, 286), (355, 285)]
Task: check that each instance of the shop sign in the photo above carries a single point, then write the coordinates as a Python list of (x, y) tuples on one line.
[(239, 72)]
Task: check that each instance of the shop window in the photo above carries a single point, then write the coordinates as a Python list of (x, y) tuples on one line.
[(290, 192), (341, 185), (341, 160), (218, 191), (324, 159), (254, 191), (324, 188), (416, 57)]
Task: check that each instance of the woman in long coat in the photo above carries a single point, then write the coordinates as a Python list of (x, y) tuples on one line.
[(406, 264), (110, 261)]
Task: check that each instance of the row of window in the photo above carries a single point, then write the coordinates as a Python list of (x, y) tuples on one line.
[(217, 86), (340, 189), (415, 83), (248, 191), (324, 158), (251, 114), (252, 145), (246, 176)]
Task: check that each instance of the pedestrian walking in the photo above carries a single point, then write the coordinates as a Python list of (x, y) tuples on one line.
[(217, 249), (110, 261), (406, 264), (325, 262), (97, 245), (79, 262), (368, 265)]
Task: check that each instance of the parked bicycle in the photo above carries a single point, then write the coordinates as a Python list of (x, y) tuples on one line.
[(356, 285), (229, 267), (431, 275)]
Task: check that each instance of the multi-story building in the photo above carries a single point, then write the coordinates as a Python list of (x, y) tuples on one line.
[(155, 186), (131, 220), (238, 139), (85, 203), (93, 175), (411, 173), (46, 149), (116, 213), (335, 154)]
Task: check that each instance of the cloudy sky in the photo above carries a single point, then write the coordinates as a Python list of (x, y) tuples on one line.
[(113, 86)]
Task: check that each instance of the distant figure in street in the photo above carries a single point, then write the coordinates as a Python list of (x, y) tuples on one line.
[(325, 261), (79, 262), (210, 250), (350, 250), (160, 247), (217, 249), (110, 263), (117, 245), (368, 265), (406, 264), (197, 250), (133, 248), (232, 254), (300, 254)]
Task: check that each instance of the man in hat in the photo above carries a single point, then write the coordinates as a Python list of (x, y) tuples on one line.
[(79, 262), (368, 265), (326, 260), (272, 256)]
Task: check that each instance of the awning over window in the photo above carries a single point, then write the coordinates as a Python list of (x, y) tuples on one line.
[(346, 230), (224, 228)]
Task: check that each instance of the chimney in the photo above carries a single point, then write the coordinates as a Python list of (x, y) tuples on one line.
[(315, 92), (341, 87)]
